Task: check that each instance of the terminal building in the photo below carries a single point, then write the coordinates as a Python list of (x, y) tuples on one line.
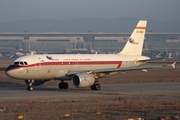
[(56, 42)]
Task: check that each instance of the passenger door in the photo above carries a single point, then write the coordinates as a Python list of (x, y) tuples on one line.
[(37, 63)]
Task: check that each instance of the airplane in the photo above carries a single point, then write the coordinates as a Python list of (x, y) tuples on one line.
[(84, 70)]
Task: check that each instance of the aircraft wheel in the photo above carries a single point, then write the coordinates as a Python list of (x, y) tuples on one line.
[(96, 86), (30, 88), (66, 85), (63, 85), (92, 87)]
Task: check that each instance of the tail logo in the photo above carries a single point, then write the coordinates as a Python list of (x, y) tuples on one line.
[(131, 40)]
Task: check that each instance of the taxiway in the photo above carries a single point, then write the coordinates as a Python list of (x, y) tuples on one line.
[(107, 89)]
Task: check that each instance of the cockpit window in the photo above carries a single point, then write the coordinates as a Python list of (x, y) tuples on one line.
[(21, 63), (16, 63)]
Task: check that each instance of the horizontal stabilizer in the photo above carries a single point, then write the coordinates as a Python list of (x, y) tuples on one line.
[(151, 59)]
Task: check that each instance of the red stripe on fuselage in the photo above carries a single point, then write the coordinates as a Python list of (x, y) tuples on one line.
[(119, 65), (71, 63)]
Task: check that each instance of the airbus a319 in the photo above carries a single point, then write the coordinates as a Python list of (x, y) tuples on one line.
[(84, 70)]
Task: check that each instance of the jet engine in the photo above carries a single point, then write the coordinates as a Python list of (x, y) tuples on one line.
[(83, 80), (36, 82)]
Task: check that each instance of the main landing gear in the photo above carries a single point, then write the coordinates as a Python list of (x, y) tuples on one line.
[(96, 85), (63, 85)]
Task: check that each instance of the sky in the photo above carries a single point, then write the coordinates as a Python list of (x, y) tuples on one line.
[(156, 10)]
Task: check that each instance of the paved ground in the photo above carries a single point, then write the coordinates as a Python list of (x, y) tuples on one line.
[(134, 94), (110, 89), (143, 89)]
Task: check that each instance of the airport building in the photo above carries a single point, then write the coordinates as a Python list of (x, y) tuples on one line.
[(56, 42)]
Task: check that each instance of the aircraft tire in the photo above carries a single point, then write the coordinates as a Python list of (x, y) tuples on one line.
[(30, 88), (66, 85), (63, 85), (92, 87), (60, 85), (96, 86)]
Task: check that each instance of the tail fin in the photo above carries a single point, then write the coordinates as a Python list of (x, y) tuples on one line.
[(134, 44)]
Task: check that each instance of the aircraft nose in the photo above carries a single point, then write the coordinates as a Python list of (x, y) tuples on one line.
[(9, 71)]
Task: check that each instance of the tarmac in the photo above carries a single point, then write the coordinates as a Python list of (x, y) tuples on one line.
[(154, 93), (20, 92)]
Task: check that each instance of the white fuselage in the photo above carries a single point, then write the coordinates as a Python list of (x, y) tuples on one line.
[(51, 66)]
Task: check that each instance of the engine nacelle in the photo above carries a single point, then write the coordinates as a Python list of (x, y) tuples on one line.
[(36, 82), (83, 80)]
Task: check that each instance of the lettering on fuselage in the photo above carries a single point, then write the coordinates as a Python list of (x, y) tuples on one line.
[(76, 59)]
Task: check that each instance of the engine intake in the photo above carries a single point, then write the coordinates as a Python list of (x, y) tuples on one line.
[(83, 80)]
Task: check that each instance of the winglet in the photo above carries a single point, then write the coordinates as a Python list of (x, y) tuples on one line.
[(173, 65)]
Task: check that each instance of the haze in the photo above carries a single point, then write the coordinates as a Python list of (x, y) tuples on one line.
[(156, 10)]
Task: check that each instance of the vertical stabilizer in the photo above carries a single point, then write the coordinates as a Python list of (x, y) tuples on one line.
[(135, 43)]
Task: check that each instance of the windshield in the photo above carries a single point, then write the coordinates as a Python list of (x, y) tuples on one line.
[(21, 63)]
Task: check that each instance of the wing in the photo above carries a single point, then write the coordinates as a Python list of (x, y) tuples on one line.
[(111, 70)]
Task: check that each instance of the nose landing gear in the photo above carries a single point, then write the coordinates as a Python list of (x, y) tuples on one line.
[(29, 85)]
